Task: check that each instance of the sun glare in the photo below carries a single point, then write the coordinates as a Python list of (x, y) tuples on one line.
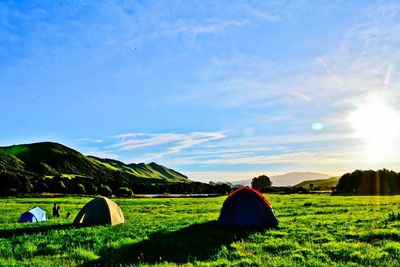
[(377, 125)]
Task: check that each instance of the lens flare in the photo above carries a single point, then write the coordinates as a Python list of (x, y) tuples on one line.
[(377, 125)]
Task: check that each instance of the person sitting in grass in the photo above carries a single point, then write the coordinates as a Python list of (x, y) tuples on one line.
[(58, 211), (55, 210), (68, 214)]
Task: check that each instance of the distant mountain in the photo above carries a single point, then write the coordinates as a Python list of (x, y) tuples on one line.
[(289, 179), (53, 159), (333, 181)]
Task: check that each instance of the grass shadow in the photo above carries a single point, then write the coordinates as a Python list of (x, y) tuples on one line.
[(196, 242), (43, 229)]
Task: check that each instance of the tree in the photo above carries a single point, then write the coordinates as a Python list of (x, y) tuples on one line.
[(41, 186), (91, 188), (124, 192), (105, 190), (223, 188), (55, 185), (79, 189), (369, 182), (261, 183)]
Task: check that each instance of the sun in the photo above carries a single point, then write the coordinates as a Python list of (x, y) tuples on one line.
[(378, 125)]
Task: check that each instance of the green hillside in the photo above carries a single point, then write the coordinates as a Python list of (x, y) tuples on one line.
[(141, 171), (47, 166), (10, 162), (321, 183), (52, 159)]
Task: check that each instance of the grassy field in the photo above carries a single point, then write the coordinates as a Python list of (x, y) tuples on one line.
[(315, 230)]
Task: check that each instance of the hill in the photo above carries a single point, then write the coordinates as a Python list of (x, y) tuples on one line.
[(53, 159), (46, 164), (289, 179), (151, 172), (321, 183)]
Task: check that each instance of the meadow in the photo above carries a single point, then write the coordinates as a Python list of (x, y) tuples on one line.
[(315, 230)]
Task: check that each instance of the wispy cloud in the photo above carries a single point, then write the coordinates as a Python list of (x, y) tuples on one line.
[(102, 154), (267, 90), (300, 95), (174, 142), (324, 87), (90, 140), (138, 24), (194, 29), (272, 150)]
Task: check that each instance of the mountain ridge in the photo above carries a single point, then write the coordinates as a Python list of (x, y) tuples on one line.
[(321, 183), (289, 179), (51, 159)]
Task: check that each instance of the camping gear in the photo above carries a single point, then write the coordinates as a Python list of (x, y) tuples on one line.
[(34, 215), (248, 208), (100, 210)]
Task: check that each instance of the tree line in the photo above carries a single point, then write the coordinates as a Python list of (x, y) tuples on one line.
[(13, 184), (369, 182)]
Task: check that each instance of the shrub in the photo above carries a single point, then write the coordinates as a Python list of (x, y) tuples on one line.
[(261, 183), (124, 192), (58, 186), (41, 187), (394, 216), (80, 189), (105, 190), (11, 191), (91, 188)]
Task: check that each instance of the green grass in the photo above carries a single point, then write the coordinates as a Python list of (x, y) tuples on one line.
[(315, 230)]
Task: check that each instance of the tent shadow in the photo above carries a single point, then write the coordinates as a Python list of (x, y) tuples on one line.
[(43, 229), (196, 242)]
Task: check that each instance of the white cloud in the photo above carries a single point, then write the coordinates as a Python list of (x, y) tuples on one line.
[(90, 140), (304, 157), (194, 29), (362, 60), (134, 24), (102, 154), (298, 150), (174, 142), (325, 86), (265, 159)]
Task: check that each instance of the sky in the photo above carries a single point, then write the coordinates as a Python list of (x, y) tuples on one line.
[(218, 90)]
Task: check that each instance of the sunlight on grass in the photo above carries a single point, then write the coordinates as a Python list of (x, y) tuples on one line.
[(328, 231)]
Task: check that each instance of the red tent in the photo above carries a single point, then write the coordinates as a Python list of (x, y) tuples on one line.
[(247, 207)]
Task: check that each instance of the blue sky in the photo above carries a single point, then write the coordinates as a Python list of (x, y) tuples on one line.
[(220, 90)]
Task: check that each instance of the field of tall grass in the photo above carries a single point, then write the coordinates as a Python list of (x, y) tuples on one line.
[(315, 230)]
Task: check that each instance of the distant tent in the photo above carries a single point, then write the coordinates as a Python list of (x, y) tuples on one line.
[(247, 207), (100, 210), (34, 215)]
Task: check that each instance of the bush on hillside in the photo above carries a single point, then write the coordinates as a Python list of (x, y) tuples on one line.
[(124, 192), (105, 190)]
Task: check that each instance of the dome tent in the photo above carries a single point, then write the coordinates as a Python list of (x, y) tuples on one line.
[(248, 208), (100, 210), (34, 215)]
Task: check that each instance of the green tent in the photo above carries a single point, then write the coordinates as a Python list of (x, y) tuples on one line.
[(100, 210)]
